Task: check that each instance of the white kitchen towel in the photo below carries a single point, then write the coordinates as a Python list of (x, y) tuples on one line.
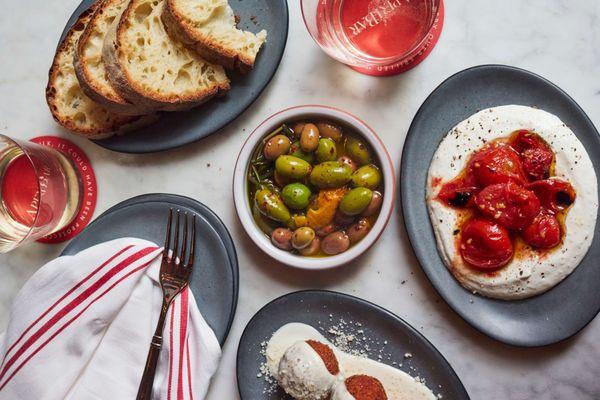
[(80, 329)]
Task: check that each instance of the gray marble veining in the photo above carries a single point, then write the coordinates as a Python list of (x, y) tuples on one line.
[(559, 39)]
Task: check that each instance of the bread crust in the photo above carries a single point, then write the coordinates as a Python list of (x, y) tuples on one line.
[(113, 123), (135, 93), (181, 30), (112, 101)]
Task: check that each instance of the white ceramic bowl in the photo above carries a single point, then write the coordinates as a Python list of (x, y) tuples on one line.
[(240, 185)]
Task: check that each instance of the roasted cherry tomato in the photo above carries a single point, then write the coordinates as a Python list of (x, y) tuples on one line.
[(509, 204), (554, 193), (457, 193), (485, 245), (498, 163), (544, 232), (536, 155)]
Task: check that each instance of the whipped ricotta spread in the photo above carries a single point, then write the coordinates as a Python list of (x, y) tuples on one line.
[(538, 272)]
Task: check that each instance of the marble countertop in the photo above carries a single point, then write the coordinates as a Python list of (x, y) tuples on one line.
[(559, 39)]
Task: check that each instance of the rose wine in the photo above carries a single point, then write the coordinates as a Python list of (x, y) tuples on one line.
[(384, 28), (377, 37), (39, 192)]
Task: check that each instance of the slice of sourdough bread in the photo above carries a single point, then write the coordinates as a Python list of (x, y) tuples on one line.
[(69, 106), (209, 27), (147, 67), (89, 67)]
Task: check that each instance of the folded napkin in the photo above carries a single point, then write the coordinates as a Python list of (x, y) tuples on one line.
[(80, 329)]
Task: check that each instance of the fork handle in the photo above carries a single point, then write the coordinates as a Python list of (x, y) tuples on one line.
[(147, 382)]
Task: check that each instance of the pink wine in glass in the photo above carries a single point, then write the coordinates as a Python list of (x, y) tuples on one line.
[(373, 36), (40, 192)]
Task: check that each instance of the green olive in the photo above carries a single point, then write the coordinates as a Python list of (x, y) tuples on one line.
[(302, 237), (358, 230), (296, 151), (358, 151), (262, 222), (330, 174), (326, 150), (335, 243), (296, 196), (374, 205), (330, 131), (276, 146), (282, 238), (270, 204), (309, 139), (292, 167), (312, 249), (367, 176), (356, 201)]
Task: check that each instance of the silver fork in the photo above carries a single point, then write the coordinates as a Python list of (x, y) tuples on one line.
[(175, 275)]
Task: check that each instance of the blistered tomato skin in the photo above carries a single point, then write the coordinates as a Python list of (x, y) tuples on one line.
[(508, 204), (499, 163), (485, 245), (544, 232), (457, 193), (536, 155), (555, 194)]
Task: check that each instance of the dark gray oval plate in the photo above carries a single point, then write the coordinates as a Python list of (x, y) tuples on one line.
[(550, 317), (215, 277), (181, 128), (317, 308)]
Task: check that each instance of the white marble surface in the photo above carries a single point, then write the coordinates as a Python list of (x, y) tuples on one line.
[(559, 39)]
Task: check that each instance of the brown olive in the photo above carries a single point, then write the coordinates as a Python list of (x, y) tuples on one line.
[(335, 243), (282, 238), (343, 219), (345, 160), (276, 146), (312, 249), (326, 230), (280, 179), (358, 230), (330, 131), (298, 126), (374, 205), (309, 139)]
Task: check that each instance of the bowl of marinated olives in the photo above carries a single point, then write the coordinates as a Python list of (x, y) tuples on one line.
[(314, 187)]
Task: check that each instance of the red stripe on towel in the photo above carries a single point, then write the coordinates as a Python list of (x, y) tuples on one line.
[(170, 353), (62, 328), (75, 303), (73, 289), (183, 319)]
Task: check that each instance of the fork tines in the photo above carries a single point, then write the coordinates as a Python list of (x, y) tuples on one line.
[(178, 259)]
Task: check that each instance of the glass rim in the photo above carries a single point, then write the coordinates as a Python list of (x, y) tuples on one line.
[(366, 60), (38, 194)]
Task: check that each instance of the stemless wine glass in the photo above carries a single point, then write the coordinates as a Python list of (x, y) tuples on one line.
[(372, 36), (40, 192)]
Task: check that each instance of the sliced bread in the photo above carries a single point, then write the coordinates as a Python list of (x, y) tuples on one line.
[(69, 105), (89, 67), (209, 27), (148, 67)]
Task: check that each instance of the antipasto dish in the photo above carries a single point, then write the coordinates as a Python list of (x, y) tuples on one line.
[(512, 197), (315, 188), (309, 367)]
